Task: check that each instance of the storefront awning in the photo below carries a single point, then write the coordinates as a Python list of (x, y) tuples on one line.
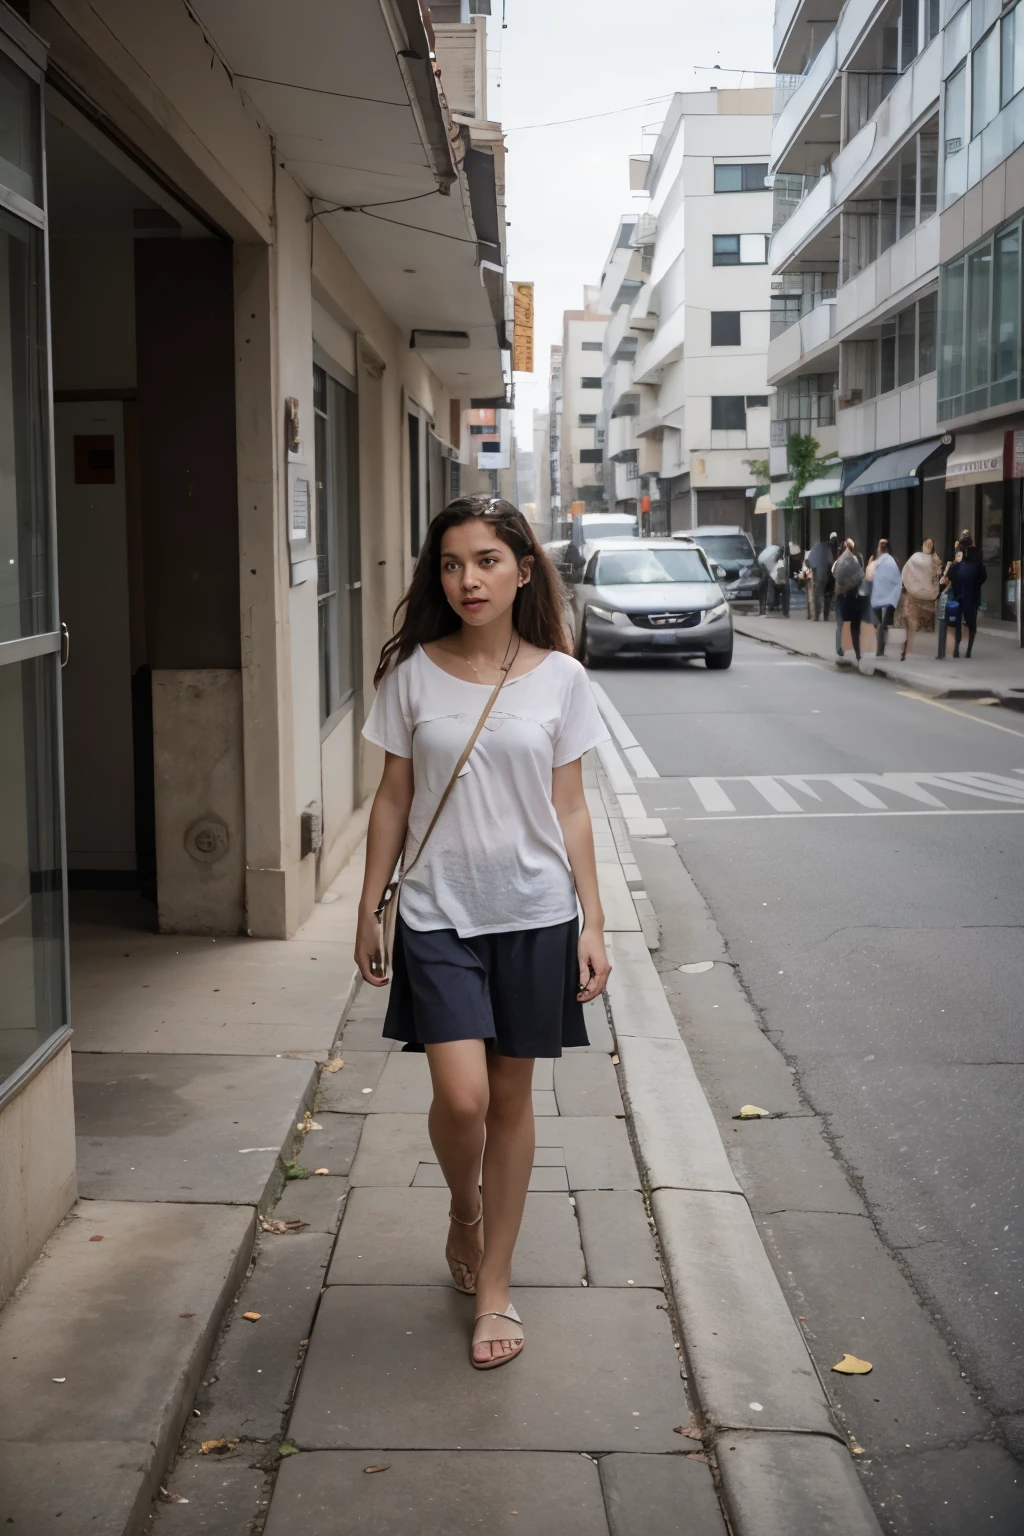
[(894, 471), (976, 459), (829, 482)]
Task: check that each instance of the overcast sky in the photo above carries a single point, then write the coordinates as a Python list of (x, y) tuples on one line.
[(567, 186)]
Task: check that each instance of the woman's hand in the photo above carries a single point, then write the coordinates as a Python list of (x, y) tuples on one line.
[(594, 965), (367, 952)]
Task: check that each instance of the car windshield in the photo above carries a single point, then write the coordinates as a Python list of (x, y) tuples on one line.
[(628, 567), (603, 530), (732, 547)]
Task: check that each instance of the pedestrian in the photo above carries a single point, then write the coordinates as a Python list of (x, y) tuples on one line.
[(886, 585), (484, 718), (921, 586), (966, 575), (848, 573), (820, 560)]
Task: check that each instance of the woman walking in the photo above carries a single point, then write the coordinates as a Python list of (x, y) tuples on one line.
[(966, 576), (484, 719), (848, 573), (886, 585), (921, 585)]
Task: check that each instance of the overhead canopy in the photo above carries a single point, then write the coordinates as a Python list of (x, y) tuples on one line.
[(894, 471), (977, 458), (415, 200)]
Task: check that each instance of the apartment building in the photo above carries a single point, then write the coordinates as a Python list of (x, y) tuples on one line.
[(581, 450), (554, 458), (686, 398), (233, 391), (879, 134), (540, 494)]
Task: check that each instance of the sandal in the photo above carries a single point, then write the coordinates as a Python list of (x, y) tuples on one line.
[(511, 1316), (463, 1276)]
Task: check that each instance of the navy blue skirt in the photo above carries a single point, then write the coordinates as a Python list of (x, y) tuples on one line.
[(515, 991)]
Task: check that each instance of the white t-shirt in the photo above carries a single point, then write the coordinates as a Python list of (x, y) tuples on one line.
[(496, 861)]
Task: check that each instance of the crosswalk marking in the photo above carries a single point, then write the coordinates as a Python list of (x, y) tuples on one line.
[(742, 797)]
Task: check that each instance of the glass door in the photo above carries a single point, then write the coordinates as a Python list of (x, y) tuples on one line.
[(33, 961)]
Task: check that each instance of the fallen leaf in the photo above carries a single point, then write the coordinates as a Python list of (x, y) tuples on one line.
[(615, 1061), (217, 1447), (186, 1314), (98, 1238), (752, 1112), (252, 1317), (849, 1365), (167, 1497), (694, 1456), (689, 1430), (319, 1172), (382, 1466), (58, 1379), (334, 1065), (856, 1450), (287, 1449), (275, 1224)]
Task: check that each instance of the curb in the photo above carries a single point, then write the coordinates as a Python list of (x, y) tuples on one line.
[(884, 667), (785, 1468)]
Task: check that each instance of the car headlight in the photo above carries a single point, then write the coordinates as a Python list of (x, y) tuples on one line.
[(610, 616), (718, 612)]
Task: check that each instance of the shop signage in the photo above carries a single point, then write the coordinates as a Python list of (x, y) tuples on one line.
[(1016, 456), (522, 335)]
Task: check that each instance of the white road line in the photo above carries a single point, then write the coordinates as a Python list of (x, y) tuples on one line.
[(921, 698), (711, 795), (966, 784), (780, 799), (620, 730), (801, 784), (836, 815), (905, 784), (856, 791)]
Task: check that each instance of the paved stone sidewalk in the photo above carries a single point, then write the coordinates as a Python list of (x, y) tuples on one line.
[(996, 668), (578, 1436)]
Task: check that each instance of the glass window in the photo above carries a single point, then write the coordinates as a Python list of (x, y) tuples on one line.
[(985, 82), (908, 33), (26, 597), (753, 250), (1006, 305), (20, 133), (650, 567), (31, 878), (929, 175), (956, 111), (725, 327), (979, 283), (588, 419), (338, 545), (755, 177), (590, 382), (926, 335), (725, 250), (956, 39), (728, 178), (1008, 28), (728, 413), (887, 358), (932, 20), (952, 337), (908, 188), (591, 346), (1016, 18), (906, 345)]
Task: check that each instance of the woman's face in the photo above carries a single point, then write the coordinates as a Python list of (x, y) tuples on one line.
[(928, 546), (479, 572)]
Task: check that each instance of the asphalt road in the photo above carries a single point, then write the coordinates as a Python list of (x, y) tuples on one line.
[(878, 923)]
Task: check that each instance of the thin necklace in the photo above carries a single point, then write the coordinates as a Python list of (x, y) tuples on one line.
[(499, 666)]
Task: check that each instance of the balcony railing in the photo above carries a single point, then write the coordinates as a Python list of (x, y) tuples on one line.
[(823, 414), (799, 103), (865, 93)]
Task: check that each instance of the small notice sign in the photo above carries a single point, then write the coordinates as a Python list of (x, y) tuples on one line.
[(300, 508)]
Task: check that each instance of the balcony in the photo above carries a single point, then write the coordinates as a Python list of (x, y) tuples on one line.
[(891, 280), (795, 21), (810, 220), (902, 416), (912, 99), (804, 347), (620, 443), (812, 96)]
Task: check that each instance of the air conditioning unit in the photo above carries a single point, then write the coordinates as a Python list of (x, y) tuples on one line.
[(479, 7)]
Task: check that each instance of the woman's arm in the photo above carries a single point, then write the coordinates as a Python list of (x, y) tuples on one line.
[(573, 814), (385, 838)]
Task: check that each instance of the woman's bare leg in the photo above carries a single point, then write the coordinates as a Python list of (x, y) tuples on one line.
[(508, 1162), (458, 1073)]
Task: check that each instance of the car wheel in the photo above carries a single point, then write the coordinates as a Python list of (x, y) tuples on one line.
[(718, 661), (582, 646)]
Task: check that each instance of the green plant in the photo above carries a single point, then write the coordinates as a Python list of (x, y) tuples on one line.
[(804, 464), (761, 473)]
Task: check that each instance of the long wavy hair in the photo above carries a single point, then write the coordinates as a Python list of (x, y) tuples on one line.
[(425, 614)]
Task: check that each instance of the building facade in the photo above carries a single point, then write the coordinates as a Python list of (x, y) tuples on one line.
[(231, 397), (896, 194), (581, 453)]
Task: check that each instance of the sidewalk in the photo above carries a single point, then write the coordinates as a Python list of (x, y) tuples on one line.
[(996, 670), (663, 1372)]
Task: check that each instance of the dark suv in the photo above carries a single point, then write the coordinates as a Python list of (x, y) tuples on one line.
[(733, 559)]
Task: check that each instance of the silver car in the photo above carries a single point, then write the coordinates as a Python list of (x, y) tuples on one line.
[(650, 597)]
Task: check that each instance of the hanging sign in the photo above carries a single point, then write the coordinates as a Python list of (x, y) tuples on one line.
[(522, 335)]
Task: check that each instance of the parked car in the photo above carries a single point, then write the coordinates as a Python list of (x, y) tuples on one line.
[(655, 597), (732, 551)]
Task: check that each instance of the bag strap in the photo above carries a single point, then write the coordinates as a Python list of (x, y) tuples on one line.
[(463, 760)]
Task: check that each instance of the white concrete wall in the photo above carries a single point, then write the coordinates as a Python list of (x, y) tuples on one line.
[(37, 1166)]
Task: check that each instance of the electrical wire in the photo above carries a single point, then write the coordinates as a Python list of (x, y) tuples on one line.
[(386, 203), (417, 229), (615, 112)]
